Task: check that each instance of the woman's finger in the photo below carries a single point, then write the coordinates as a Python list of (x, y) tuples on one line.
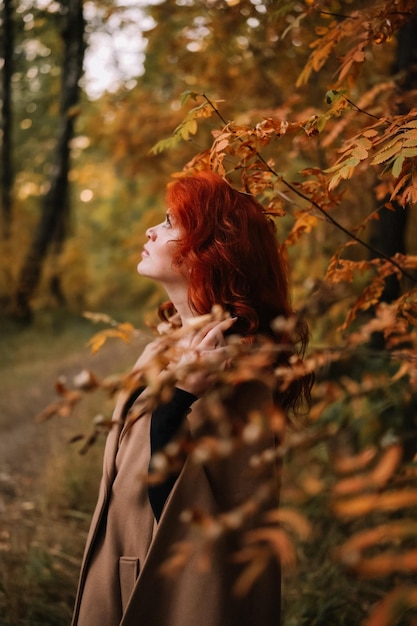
[(214, 336), (205, 331), (218, 355)]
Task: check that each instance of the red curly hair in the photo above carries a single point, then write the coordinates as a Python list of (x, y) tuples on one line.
[(231, 251)]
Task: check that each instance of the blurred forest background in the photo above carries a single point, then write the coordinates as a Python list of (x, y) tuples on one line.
[(312, 107)]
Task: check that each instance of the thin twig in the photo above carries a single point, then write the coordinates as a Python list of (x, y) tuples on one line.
[(355, 106), (343, 17)]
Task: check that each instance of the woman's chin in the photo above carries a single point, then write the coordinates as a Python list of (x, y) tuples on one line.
[(140, 269)]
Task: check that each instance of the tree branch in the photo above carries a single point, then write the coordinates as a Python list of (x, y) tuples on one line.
[(329, 218)]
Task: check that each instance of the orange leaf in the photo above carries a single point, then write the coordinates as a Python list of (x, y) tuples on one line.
[(346, 464), (278, 540), (293, 519), (257, 563), (387, 564), (304, 224), (361, 505), (387, 465), (391, 606), (349, 552)]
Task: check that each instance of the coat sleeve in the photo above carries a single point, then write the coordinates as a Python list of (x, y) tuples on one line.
[(239, 476), (242, 484)]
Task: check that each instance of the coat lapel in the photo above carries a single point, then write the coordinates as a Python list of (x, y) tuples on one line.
[(171, 533), (109, 459)]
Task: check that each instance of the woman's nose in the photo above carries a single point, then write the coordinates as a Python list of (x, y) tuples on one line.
[(150, 233)]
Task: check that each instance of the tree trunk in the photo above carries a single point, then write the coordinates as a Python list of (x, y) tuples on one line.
[(389, 231), (6, 174), (52, 226), (388, 234)]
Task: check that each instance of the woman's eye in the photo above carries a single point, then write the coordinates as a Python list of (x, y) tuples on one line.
[(167, 221)]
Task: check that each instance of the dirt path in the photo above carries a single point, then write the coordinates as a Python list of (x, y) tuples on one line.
[(44, 497), (24, 443)]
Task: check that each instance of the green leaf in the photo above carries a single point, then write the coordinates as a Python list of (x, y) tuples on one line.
[(165, 144), (409, 153), (397, 166), (347, 163), (332, 96), (186, 95)]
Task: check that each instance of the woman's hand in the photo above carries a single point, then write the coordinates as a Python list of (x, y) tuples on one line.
[(204, 351), (148, 355)]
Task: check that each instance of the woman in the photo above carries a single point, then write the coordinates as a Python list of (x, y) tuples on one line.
[(215, 247)]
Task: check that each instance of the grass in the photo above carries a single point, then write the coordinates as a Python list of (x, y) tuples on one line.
[(47, 489)]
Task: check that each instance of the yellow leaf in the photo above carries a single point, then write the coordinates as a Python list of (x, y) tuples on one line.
[(360, 152), (203, 111), (386, 153), (189, 127), (304, 224), (98, 317), (409, 153), (347, 170), (123, 331)]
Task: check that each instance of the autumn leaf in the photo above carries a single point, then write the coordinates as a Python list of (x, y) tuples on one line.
[(387, 152), (374, 479), (350, 552), (175, 562), (257, 559), (398, 165), (387, 564), (292, 519), (86, 381), (304, 223), (188, 126), (63, 407), (124, 331), (345, 464), (392, 606), (364, 504), (187, 94)]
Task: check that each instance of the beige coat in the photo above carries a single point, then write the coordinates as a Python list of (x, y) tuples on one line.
[(122, 581)]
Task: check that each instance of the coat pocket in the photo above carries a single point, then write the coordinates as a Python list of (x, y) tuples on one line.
[(128, 574)]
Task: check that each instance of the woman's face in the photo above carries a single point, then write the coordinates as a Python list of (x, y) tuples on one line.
[(157, 254)]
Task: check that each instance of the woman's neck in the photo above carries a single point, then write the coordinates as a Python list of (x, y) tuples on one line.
[(179, 298)]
